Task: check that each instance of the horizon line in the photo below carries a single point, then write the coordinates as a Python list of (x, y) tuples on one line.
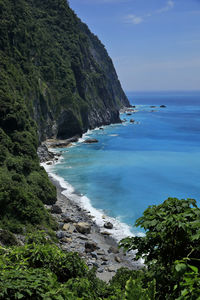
[(165, 91)]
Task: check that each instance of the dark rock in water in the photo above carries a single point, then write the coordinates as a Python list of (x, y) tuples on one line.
[(101, 128), (129, 114), (152, 106), (90, 246), (114, 250), (163, 106), (90, 141), (108, 225), (56, 209), (132, 121)]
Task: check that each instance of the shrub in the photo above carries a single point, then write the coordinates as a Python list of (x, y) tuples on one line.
[(26, 283), (41, 187), (64, 265), (36, 271), (172, 233)]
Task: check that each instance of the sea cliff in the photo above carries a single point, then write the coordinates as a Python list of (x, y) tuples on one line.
[(57, 81)]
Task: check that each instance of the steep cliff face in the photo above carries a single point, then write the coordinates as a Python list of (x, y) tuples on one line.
[(91, 93), (73, 85), (107, 97), (56, 80)]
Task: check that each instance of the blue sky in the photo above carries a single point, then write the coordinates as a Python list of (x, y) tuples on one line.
[(154, 44)]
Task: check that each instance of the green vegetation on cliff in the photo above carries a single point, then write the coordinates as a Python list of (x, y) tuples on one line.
[(24, 185), (40, 270), (59, 68), (56, 80)]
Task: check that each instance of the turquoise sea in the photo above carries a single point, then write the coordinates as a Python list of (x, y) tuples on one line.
[(137, 165)]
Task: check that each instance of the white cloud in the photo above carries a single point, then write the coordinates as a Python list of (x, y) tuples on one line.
[(133, 19), (167, 7)]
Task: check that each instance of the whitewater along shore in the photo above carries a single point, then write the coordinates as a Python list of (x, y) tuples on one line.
[(78, 232)]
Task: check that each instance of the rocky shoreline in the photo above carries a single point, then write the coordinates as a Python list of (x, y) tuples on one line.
[(78, 232)]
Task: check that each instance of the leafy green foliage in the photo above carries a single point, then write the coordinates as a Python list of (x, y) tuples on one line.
[(43, 271), (36, 271), (134, 290), (26, 284), (63, 265), (172, 233), (165, 277), (189, 284), (20, 204), (124, 274), (81, 287), (172, 230)]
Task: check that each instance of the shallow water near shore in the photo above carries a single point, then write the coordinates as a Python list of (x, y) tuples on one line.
[(137, 165)]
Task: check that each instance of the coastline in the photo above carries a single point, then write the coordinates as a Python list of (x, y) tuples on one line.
[(120, 229), (104, 253)]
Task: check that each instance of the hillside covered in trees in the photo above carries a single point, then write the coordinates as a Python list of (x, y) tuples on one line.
[(56, 80)]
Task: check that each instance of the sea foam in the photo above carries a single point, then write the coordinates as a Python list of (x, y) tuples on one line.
[(120, 230)]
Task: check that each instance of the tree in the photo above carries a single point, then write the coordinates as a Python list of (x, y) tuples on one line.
[(172, 233)]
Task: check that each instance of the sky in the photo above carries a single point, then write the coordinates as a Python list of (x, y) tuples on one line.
[(154, 44)]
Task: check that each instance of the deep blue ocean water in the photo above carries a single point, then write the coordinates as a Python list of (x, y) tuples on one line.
[(137, 165)]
